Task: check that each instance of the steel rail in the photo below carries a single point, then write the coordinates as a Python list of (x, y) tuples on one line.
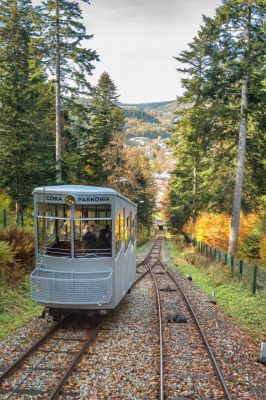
[(13, 367), (145, 261), (161, 390), (57, 391), (203, 336), (149, 254), (149, 270), (38, 343)]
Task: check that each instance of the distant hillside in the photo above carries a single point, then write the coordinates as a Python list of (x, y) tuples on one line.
[(140, 115), (161, 106), (150, 120)]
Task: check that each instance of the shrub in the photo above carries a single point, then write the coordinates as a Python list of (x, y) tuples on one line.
[(214, 229), (211, 228), (7, 261), (21, 240), (4, 200), (262, 247), (249, 248), (192, 256), (218, 272), (7, 255)]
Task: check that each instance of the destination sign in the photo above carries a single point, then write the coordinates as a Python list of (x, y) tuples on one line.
[(51, 198), (60, 199), (93, 199)]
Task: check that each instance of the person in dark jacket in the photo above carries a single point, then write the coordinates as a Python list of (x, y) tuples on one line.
[(105, 237), (89, 238)]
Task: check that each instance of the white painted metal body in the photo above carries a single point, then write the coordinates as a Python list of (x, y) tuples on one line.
[(84, 283)]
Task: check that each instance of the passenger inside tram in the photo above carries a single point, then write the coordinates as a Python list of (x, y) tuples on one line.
[(92, 230), (89, 238), (95, 242), (105, 237)]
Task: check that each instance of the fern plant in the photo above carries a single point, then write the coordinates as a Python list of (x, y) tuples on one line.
[(7, 255)]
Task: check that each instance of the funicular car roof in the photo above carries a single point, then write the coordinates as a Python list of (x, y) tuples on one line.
[(79, 189)]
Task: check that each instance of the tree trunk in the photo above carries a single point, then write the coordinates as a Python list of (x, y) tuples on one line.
[(234, 230), (18, 212), (194, 211), (58, 146)]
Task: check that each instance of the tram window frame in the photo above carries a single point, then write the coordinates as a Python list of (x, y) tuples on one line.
[(120, 229), (130, 226), (58, 208), (61, 212), (128, 229), (96, 249), (127, 238), (92, 211), (53, 214), (134, 229), (100, 217)]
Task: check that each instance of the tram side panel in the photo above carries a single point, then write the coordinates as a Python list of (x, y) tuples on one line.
[(131, 250), (125, 259), (119, 271), (131, 262)]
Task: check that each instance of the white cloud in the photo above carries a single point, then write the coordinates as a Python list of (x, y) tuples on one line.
[(137, 39)]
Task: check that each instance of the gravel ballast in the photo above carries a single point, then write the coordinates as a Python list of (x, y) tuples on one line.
[(123, 361)]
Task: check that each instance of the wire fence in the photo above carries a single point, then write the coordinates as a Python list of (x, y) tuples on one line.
[(251, 276), (9, 218)]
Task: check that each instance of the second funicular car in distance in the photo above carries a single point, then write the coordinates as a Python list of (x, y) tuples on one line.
[(85, 248)]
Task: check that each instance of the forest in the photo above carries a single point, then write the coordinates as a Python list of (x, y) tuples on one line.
[(140, 115), (217, 190), (54, 126)]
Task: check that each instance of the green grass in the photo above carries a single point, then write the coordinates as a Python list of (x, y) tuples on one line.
[(16, 307), (142, 246), (248, 311)]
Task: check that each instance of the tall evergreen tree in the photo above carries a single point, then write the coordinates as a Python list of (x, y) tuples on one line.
[(245, 20), (23, 100), (67, 61), (106, 120)]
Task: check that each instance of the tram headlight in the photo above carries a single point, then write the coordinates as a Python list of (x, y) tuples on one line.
[(70, 200)]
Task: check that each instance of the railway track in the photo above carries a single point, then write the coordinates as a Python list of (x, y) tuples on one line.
[(43, 371), (63, 344), (163, 280), (19, 378)]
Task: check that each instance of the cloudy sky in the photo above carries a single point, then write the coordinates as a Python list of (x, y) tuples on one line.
[(137, 39)]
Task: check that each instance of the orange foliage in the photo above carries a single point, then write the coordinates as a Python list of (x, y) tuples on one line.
[(263, 251), (214, 229), (165, 206), (247, 224)]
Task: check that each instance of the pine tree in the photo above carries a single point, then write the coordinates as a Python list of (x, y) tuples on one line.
[(68, 63), (246, 20), (106, 120), (23, 101)]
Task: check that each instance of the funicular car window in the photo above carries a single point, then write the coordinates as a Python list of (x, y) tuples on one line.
[(54, 230), (134, 230), (128, 229), (93, 231), (130, 226), (119, 230)]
